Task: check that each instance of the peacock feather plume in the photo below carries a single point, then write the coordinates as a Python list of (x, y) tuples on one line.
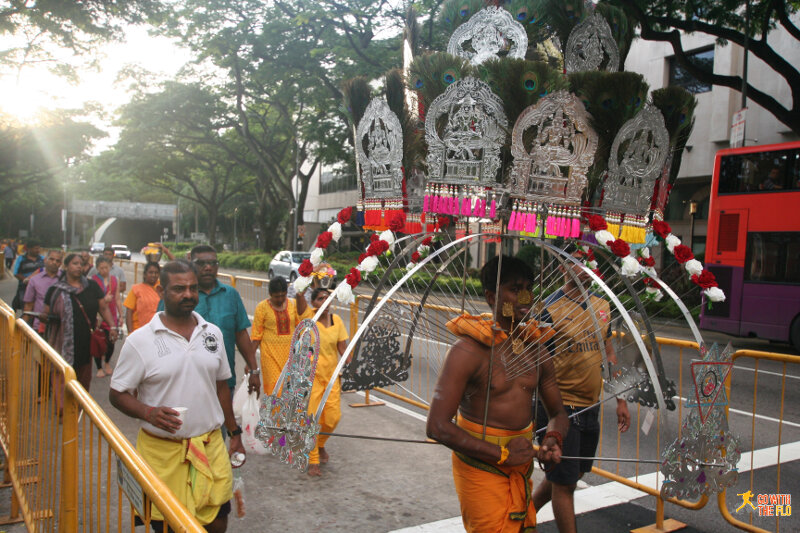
[(677, 105), (611, 98), (356, 93), (560, 16), (454, 13), (431, 74), (621, 28), (519, 83)]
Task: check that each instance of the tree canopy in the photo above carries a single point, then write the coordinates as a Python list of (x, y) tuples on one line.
[(727, 21)]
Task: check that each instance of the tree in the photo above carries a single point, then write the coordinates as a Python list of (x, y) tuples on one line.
[(41, 31), (727, 21), (282, 65), (177, 140), (32, 155)]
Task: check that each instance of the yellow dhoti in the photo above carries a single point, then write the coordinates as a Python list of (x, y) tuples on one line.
[(197, 470), (494, 498)]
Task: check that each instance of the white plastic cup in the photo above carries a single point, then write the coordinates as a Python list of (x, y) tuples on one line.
[(181, 412)]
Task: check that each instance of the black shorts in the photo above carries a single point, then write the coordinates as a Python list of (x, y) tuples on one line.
[(580, 441), (158, 525)]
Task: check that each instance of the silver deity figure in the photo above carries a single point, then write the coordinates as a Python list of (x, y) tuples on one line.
[(465, 147), (379, 148), (286, 428), (561, 149), (637, 158), (490, 31), (589, 44)]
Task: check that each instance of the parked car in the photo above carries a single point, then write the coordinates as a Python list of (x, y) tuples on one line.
[(121, 251), (97, 248), (286, 263)]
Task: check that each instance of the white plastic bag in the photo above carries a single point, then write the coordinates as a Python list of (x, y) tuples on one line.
[(240, 397), (250, 419)]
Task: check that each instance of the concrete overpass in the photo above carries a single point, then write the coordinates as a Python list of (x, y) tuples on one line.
[(131, 223)]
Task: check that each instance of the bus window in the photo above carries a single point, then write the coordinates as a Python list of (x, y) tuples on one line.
[(759, 172), (773, 257)]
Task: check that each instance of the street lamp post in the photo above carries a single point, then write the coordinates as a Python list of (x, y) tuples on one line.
[(693, 214), (235, 238)]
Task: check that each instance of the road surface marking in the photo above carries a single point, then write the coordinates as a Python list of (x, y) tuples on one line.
[(609, 494)]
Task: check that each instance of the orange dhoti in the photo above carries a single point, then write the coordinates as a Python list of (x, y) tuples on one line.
[(494, 498)]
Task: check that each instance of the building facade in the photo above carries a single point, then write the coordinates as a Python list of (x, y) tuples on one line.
[(715, 109)]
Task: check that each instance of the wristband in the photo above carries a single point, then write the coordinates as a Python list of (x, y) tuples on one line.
[(556, 435), (235, 432), (147, 414), (503, 455), (255, 372)]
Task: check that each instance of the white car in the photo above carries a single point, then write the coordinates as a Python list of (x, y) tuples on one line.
[(121, 251), (97, 248), (286, 263)]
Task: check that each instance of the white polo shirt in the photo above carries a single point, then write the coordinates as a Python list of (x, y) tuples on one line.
[(169, 371)]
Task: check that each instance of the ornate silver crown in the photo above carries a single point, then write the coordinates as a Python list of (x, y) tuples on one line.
[(637, 158), (588, 45), (491, 30), (379, 148), (473, 129), (562, 147)]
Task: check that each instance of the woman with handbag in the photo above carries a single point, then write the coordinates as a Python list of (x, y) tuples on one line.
[(110, 287), (73, 302)]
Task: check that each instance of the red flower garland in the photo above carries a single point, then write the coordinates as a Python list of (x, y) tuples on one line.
[(305, 268), (361, 257), (661, 228), (344, 215), (597, 223), (377, 248), (353, 278), (620, 248), (427, 241), (398, 222), (372, 238), (324, 239), (647, 261), (415, 257), (705, 280), (682, 253), (444, 221)]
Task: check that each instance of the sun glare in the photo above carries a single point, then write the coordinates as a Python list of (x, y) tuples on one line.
[(23, 102)]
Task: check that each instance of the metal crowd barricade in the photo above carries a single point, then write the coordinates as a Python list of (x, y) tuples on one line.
[(70, 467), (418, 389)]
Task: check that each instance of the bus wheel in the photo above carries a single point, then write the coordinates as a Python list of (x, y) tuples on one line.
[(794, 333)]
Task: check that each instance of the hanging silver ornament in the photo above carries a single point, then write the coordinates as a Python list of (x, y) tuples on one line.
[(637, 158), (379, 148), (560, 150), (489, 32), (380, 361), (702, 460), (286, 428), (589, 44), (465, 128)]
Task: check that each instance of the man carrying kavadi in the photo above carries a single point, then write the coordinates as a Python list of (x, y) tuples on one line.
[(491, 436)]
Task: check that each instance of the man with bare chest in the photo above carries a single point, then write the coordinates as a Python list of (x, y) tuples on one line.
[(481, 408)]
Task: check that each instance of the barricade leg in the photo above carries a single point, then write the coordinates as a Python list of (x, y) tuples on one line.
[(661, 525), (68, 519)]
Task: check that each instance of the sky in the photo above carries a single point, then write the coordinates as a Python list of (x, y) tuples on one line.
[(37, 88)]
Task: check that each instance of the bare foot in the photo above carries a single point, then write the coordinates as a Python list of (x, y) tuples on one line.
[(323, 456), (107, 369), (101, 374), (314, 470)]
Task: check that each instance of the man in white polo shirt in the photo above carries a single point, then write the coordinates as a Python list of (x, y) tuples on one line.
[(178, 361)]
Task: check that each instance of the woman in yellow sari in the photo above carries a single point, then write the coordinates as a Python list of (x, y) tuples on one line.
[(332, 343), (273, 326)]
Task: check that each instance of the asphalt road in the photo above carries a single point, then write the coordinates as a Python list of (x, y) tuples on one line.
[(379, 486)]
